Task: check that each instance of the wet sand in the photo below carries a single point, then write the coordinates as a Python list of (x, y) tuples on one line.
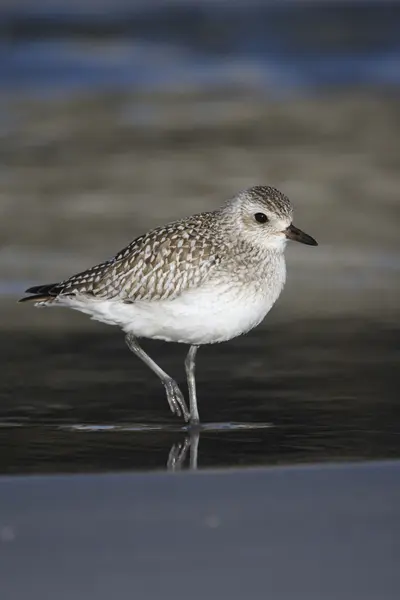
[(304, 533), (328, 390)]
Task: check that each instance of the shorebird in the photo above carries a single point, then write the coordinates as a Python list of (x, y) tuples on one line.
[(201, 280)]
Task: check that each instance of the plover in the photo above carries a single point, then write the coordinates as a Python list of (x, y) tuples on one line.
[(201, 280)]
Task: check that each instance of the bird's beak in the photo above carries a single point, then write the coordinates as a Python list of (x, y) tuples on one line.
[(299, 236)]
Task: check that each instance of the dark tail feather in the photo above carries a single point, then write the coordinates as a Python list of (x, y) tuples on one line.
[(37, 298), (41, 293)]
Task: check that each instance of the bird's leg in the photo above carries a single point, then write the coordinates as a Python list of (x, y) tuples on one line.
[(194, 449), (177, 455), (178, 452), (190, 366), (174, 395)]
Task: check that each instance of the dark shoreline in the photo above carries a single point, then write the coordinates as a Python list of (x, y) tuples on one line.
[(329, 390)]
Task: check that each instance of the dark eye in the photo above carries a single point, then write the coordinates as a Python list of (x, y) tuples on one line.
[(261, 218)]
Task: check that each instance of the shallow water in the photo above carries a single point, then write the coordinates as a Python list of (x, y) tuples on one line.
[(287, 393), (274, 45)]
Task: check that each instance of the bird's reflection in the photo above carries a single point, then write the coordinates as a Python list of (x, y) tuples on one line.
[(185, 453), (180, 450), (147, 445)]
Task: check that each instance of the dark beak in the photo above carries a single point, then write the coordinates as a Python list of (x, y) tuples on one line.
[(299, 236)]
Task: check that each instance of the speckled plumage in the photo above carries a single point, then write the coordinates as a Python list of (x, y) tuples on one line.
[(168, 260), (204, 279), (156, 266)]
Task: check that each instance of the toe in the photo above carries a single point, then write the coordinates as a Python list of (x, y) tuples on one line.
[(176, 400)]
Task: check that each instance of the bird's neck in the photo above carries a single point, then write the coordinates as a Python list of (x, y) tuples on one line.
[(255, 262)]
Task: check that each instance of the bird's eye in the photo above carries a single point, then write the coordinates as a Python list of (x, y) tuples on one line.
[(261, 218)]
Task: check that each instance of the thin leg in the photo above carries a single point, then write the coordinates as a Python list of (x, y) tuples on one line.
[(194, 449), (190, 366), (177, 455), (178, 452), (174, 395)]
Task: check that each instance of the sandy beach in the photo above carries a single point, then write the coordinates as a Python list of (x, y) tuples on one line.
[(84, 175)]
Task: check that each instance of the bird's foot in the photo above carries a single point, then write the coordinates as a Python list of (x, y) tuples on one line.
[(176, 400), (177, 455)]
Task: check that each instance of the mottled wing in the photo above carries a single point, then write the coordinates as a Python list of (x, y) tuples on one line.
[(159, 265)]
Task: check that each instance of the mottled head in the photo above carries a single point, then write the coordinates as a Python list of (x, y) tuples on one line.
[(263, 216)]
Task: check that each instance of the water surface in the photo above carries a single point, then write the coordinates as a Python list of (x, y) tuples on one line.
[(287, 393), (277, 45)]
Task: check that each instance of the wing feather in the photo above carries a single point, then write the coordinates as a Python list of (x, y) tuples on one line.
[(158, 265)]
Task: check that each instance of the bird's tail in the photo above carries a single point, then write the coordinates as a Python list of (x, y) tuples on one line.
[(41, 293)]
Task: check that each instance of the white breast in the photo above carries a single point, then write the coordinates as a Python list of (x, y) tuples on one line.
[(216, 312)]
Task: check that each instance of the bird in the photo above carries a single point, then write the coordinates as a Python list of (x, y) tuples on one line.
[(203, 279)]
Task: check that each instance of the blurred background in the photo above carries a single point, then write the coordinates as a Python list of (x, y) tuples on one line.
[(117, 116)]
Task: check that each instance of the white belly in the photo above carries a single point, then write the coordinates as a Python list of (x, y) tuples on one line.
[(200, 316)]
